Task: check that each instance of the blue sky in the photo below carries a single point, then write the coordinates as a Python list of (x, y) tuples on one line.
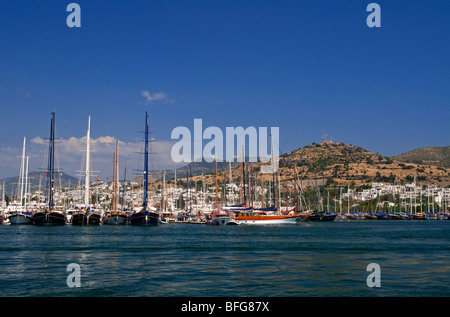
[(302, 66)]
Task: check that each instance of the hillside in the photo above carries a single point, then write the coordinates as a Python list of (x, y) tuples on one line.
[(339, 165), (439, 156)]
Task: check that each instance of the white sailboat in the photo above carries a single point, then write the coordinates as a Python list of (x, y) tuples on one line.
[(86, 216), (20, 214)]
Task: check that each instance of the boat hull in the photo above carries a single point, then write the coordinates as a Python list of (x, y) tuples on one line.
[(115, 220), (79, 219), (49, 218), (94, 219), (144, 219), (220, 221), (268, 221), (20, 219), (321, 218), (341, 217)]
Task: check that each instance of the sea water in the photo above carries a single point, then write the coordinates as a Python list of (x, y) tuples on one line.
[(172, 260)]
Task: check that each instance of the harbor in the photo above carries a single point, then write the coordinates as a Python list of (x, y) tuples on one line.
[(241, 196), (251, 201)]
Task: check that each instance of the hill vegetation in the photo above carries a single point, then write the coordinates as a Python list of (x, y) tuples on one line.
[(439, 156), (335, 165)]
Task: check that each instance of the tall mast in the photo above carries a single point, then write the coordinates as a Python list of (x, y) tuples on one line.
[(163, 192), (144, 203), (262, 191), (116, 179), (22, 172), (124, 183), (26, 185), (217, 193), (273, 173), (348, 204), (243, 174), (88, 158), (113, 206), (51, 163), (187, 190)]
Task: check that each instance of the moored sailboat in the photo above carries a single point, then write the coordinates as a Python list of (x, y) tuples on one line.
[(50, 215), (86, 216), (144, 216), (262, 218), (20, 215), (115, 217), (218, 217)]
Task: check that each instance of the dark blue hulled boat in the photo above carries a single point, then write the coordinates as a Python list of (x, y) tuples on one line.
[(382, 216), (321, 216), (50, 216), (145, 217)]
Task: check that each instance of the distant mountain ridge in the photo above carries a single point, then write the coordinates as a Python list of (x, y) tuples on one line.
[(36, 180), (439, 156)]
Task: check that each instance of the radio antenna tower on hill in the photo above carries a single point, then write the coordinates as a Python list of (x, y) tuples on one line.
[(325, 138)]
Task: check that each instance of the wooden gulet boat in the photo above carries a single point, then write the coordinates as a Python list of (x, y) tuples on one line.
[(218, 217), (86, 216), (145, 217), (115, 217), (262, 218), (50, 216)]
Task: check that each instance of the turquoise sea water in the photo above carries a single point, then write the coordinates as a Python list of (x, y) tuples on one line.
[(304, 260)]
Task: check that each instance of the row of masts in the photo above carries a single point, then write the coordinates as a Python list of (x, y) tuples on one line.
[(248, 183)]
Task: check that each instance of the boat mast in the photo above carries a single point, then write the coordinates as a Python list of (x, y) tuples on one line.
[(273, 175), (114, 183), (164, 192), (230, 181), (144, 203), (26, 185), (116, 176), (124, 184), (217, 193), (243, 176), (51, 163), (22, 172), (88, 157), (348, 204)]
